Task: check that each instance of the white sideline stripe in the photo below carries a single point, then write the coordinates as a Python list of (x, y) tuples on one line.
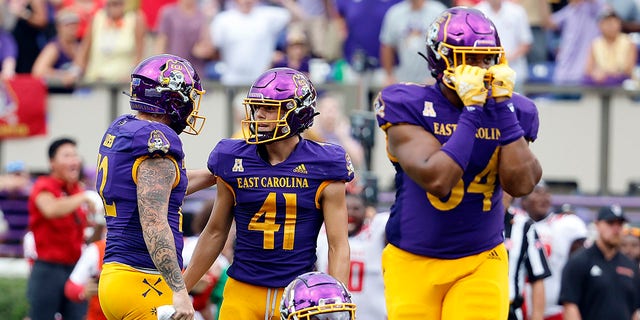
[(14, 268)]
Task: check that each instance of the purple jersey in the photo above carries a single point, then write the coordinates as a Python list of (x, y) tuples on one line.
[(470, 219), (8, 46), (276, 209), (128, 142)]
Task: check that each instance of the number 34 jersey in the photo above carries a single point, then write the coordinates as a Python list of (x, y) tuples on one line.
[(470, 219), (277, 208)]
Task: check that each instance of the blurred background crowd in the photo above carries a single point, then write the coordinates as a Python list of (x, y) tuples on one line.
[(71, 41)]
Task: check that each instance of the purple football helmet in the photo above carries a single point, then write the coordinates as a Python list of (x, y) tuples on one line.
[(459, 31), (287, 91), (316, 296), (168, 84)]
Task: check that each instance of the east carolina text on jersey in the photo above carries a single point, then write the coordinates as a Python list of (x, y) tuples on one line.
[(447, 129), (272, 182)]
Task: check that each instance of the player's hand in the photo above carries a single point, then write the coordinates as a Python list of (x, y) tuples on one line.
[(503, 80), (91, 288), (183, 305), (469, 84)]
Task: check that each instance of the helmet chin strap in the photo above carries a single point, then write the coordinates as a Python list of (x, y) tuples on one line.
[(178, 127), (177, 123), (435, 76), (423, 56)]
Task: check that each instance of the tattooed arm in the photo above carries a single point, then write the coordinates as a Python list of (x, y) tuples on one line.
[(155, 181)]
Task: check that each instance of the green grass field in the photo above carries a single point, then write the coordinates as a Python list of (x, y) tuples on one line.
[(13, 301)]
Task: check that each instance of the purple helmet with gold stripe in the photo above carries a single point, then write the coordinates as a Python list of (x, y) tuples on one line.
[(456, 33), (285, 91)]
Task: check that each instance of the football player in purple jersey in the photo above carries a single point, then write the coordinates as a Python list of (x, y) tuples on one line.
[(455, 145), (279, 188), (142, 181)]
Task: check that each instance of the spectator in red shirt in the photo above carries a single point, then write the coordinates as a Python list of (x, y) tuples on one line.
[(58, 207), (151, 8)]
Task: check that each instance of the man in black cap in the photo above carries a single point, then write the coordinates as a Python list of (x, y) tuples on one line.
[(600, 282)]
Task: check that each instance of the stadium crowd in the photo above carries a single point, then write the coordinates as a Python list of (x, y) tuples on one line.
[(71, 41)]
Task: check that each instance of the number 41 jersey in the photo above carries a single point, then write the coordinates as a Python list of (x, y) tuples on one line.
[(277, 211), (470, 219)]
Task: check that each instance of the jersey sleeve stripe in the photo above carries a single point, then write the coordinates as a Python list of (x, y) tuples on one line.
[(228, 186), (321, 187)]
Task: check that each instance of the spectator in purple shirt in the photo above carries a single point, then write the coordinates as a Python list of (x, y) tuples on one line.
[(8, 49), (8, 54), (578, 26), (55, 62), (180, 26), (362, 21)]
